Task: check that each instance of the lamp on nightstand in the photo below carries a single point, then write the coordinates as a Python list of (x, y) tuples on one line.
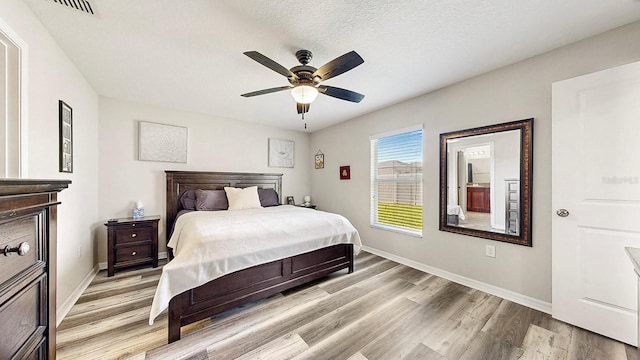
[(307, 200)]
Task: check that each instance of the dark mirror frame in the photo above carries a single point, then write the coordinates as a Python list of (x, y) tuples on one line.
[(526, 170)]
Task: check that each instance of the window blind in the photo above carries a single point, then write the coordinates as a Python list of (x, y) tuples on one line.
[(396, 181)]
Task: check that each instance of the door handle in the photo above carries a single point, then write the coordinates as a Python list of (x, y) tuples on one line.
[(562, 212)]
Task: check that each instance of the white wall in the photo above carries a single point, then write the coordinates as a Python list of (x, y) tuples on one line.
[(214, 144), (52, 77), (519, 91)]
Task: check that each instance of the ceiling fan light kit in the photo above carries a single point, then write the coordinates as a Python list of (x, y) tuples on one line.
[(305, 80), (304, 94)]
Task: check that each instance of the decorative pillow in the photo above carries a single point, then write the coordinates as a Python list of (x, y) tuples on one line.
[(240, 199), (268, 197), (188, 200), (211, 200)]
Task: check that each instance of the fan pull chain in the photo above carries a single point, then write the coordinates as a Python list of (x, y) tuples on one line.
[(305, 124)]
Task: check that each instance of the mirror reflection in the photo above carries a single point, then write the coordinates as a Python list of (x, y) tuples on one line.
[(485, 181), (482, 169)]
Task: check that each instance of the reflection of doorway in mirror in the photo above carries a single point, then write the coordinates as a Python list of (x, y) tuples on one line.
[(479, 187), (474, 178)]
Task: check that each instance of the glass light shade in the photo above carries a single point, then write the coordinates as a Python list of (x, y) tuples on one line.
[(304, 94)]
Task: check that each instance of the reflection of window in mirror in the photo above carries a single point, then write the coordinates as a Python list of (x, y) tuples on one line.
[(10, 75)]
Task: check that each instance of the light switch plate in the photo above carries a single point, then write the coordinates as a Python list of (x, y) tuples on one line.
[(490, 251)]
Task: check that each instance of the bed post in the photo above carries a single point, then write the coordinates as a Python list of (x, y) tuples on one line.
[(176, 305), (351, 257), (171, 204)]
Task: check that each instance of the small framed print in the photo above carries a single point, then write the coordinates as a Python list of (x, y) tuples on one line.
[(345, 172), (319, 160), (65, 115), (290, 200)]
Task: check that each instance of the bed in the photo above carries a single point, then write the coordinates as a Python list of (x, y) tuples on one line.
[(302, 264)]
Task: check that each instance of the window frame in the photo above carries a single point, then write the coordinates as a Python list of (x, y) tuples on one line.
[(375, 181)]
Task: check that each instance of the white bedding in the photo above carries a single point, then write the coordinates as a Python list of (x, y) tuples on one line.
[(210, 244)]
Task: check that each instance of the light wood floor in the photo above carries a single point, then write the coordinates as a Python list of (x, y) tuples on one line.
[(383, 310)]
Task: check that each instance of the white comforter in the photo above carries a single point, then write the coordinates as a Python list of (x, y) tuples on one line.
[(210, 244)]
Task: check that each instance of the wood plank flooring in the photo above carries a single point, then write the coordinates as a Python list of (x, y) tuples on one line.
[(383, 310)]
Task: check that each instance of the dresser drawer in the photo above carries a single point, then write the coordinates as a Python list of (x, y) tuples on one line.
[(138, 252), (133, 234), (23, 319), (12, 234)]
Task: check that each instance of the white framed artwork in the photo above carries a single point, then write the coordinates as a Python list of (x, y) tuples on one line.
[(281, 153), (160, 142)]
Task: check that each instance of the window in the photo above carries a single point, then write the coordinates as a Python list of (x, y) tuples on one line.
[(396, 181)]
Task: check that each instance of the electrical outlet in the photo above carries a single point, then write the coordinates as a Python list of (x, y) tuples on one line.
[(490, 251)]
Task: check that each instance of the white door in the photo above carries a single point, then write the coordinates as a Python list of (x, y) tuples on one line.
[(596, 179)]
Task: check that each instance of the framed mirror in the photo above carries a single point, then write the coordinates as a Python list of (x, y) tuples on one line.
[(485, 181)]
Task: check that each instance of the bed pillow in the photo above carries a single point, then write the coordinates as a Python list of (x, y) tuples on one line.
[(211, 200), (240, 199), (268, 197), (188, 200)]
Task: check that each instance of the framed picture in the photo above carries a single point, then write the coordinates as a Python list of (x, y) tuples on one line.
[(160, 142), (281, 153), (345, 172), (319, 160), (65, 115), (290, 200)]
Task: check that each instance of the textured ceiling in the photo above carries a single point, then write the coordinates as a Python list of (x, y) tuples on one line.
[(187, 54)]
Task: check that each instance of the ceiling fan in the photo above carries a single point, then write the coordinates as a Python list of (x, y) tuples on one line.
[(305, 80)]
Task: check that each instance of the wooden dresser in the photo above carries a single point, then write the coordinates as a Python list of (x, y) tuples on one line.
[(28, 268)]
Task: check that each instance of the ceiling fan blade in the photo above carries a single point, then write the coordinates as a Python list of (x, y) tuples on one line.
[(338, 66), (271, 64), (302, 108), (267, 91), (339, 93)]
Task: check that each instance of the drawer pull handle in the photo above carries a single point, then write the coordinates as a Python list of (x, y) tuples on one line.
[(133, 224), (133, 235), (22, 249), (134, 253)]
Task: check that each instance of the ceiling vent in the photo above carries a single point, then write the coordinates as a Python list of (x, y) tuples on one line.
[(80, 5)]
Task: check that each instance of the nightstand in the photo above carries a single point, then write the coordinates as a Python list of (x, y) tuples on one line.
[(310, 206), (132, 242)]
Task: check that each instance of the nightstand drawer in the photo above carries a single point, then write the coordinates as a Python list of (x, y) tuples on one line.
[(134, 234), (140, 252)]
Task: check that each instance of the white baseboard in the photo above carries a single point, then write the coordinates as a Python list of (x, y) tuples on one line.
[(64, 309), (475, 284), (103, 265)]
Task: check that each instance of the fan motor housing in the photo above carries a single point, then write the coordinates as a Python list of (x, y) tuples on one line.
[(304, 74)]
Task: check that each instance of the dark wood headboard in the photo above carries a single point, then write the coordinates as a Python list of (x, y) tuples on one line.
[(180, 181)]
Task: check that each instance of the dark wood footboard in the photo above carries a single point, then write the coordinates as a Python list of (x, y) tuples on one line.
[(255, 283)]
